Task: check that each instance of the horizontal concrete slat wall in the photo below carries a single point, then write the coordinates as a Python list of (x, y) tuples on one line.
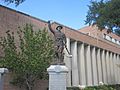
[(95, 65)]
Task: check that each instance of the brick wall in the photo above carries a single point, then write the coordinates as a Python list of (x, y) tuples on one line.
[(40, 84)]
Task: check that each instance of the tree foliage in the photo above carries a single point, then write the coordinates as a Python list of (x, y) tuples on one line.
[(16, 2), (29, 60), (105, 14)]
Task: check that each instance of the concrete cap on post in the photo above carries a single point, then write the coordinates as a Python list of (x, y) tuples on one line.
[(3, 70)]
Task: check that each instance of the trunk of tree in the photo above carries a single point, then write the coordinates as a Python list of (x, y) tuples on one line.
[(28, 84), (29, 87)]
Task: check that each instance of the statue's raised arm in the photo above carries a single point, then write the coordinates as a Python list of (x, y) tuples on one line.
[(50, 28)]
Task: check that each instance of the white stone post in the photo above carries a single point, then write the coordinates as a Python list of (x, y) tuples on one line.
[(57, 77), (2, 71)]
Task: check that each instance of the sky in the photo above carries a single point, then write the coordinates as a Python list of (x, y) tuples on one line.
[(71, 13)]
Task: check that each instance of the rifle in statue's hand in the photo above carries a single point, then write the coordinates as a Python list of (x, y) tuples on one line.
[(70, 55)]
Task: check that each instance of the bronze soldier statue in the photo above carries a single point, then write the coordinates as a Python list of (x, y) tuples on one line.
[(60, 42)]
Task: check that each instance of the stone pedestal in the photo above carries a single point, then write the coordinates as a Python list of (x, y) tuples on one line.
[(57, 77), (2, 71)]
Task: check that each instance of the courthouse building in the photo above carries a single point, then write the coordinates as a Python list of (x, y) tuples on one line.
[(95, 54)]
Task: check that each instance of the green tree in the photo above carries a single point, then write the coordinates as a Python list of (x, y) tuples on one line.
[(117, 32), (29, 60), (16, 2), (105, 14)]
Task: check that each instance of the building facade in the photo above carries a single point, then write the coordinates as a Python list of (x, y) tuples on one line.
[(95, 54)]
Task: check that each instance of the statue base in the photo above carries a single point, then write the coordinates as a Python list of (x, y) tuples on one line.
[(57, 77)]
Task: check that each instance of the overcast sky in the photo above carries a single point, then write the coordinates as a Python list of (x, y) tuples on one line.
[(71, 13)]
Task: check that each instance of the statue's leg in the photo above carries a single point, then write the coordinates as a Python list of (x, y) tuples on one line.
[(61, 55), (56, 55)]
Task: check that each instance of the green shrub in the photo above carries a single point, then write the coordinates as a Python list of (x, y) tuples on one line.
[(73, 88), (101, 87)]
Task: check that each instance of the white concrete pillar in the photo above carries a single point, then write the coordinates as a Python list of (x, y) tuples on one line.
[(75, 78), (113, 62), (99, 66), (94, 67), (104, 67), (111, 69), (81, 53), (115, 65), (118, 68), (67, 60), (88, 66), (108, 67)]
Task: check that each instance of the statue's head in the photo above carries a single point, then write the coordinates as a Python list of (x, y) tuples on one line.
[(59, 27)]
